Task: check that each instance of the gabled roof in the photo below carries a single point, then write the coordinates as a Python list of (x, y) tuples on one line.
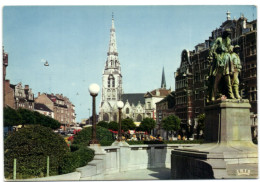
[(133, 98), (42, 107), (162, 93), (51, 97)]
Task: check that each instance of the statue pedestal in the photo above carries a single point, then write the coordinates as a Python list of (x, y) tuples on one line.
[(229, 151)]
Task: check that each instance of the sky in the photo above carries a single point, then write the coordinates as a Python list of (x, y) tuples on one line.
[(74, 40)]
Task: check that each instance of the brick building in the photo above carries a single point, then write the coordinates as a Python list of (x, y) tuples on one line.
[(164, 108), (191, 76), (63, 109)]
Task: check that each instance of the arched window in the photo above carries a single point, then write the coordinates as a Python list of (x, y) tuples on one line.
[(115, 117), (108, 93), (105, 117), (113, 94), (127, 111), (139, 117), (111, 81)]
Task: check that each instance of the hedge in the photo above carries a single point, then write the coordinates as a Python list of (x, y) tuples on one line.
[(80, 156), (30, 146)]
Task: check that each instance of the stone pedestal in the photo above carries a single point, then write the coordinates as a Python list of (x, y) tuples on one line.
[(229, 151)]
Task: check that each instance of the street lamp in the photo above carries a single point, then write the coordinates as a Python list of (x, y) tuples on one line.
[(94, 89), (120, 105)]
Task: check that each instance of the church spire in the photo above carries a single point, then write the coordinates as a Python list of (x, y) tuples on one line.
[(163, 84), (112, 50)]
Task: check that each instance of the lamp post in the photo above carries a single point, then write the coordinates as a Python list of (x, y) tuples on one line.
[(120, 105), (94, 89)]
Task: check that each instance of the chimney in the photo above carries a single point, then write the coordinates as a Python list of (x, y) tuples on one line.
[(39, 93), (7, 81), (26, 87), (157, 92), (51, 94)]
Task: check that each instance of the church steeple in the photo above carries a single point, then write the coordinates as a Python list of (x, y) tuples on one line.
[(112, 50), (112, 78), (112, 54), (163, 84)]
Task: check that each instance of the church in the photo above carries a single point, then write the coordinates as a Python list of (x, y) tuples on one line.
[(136, 105)]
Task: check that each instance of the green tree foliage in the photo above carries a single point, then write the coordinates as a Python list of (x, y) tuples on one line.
[(171, 123), (103, 124), (127, 124), (84, 136), (27, 117), (113, 126), (30, 146), (147, 125), (11, 117), (201, 123)]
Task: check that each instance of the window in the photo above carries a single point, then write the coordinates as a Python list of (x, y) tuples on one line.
[(148, 105), (108, 94), (105, 117), (115, 117), (139, 117), (127, 111)]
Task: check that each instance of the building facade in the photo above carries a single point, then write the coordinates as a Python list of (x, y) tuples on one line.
[(17, 96), (62, 108), (191, 76), (164, 108), (43, 109)]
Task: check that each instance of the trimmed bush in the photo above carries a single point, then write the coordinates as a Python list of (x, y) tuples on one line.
[(80, 156), (103, 124), (30, 146), (84, 136)]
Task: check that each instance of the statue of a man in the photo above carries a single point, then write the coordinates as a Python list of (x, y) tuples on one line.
[(220, 59), (236, 64)]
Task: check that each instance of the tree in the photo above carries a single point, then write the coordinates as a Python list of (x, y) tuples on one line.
[(127, 124), (11, 118), (147, 125), (27, 117), (171, 123), (201, 124), (84, 136), (113, 126), (103, 124)]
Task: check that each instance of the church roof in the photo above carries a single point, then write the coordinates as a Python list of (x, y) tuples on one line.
[(133, 98)]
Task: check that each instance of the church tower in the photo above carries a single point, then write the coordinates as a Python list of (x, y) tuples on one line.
[(111, 79), (163, 83)]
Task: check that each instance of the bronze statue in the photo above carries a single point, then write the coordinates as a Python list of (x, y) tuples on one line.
[(224, 69), (236, 64)]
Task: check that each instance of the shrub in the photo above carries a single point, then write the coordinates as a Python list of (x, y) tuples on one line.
[(80, 156), (30, 146), (113, 126), (84, 136), (103, 124)]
